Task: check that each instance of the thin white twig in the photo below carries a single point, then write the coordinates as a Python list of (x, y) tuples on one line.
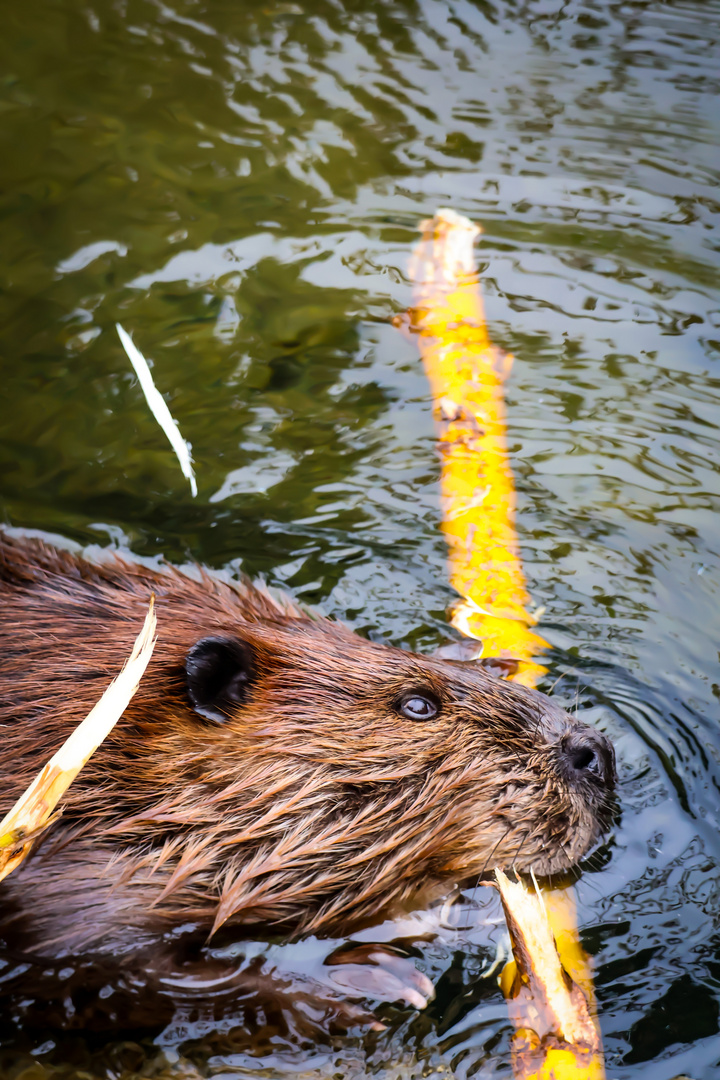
[(158, 406)]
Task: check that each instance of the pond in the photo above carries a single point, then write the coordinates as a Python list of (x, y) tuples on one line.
[(239, 184)]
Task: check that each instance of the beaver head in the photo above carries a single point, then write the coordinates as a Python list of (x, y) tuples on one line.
[(273, 769)]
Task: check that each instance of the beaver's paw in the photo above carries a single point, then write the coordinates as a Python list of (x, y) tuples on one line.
[(379, 971)]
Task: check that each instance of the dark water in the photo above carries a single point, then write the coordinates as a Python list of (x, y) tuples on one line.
[(239, 183)]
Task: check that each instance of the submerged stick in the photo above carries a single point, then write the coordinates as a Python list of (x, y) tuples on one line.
[(33, 812), (158, 406)]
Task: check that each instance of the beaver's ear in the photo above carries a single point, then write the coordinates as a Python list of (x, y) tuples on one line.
[(218, 671)]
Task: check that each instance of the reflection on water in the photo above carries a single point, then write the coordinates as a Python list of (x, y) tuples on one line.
[(239, 185)]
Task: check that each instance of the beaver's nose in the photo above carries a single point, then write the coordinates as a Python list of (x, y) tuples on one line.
[(587, 754)]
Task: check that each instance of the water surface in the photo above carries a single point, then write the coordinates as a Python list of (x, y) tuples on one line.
[(239, 184)]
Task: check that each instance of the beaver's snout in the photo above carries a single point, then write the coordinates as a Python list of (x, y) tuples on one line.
[(587, 755)]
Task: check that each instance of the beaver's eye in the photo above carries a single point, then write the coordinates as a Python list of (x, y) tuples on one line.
[(417, 706)]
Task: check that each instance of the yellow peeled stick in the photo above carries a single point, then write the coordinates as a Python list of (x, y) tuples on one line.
[(466, 373), (549, 991), (549, 983)]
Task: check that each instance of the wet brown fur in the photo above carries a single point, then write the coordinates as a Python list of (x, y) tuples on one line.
[(318, 807)]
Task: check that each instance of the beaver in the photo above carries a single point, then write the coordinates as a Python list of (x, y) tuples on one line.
[(275, 772)]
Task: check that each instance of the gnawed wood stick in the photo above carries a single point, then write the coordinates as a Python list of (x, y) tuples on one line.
[(556, 1037), (466, 373), (34, 810)]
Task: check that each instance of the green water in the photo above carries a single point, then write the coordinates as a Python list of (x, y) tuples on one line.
[(239, 184)]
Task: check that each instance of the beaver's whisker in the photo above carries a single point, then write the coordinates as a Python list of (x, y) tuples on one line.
[(594, 863), (516, 856), (573, 868), (577, 696), (489, 860), (590, 884), (488, 864), (559, 679)]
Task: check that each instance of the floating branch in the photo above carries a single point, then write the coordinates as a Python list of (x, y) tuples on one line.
[(466, 373), (158, 406), (556, 1038), (33, 812)]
